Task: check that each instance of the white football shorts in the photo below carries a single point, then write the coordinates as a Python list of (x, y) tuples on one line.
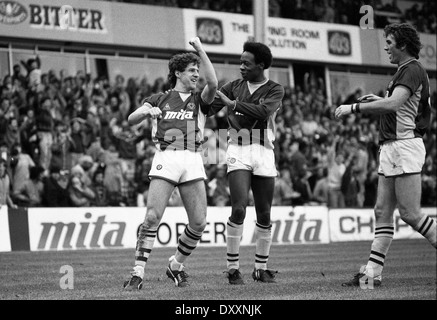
[(400, 157), (252, 157), (177, 166)]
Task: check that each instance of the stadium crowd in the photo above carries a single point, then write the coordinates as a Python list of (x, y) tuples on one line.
[(421, 14), (65, 141)]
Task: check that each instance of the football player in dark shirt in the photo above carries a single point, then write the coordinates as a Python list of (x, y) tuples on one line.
[(252, 103), (178, 124), (404, 118)]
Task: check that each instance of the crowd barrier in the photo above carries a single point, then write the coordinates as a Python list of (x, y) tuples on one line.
[(42, 229)]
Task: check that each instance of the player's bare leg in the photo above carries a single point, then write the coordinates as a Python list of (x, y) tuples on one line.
[(239, 185), (158, 196), (193, 196), (384, 231), (263, 188), (408, 192)]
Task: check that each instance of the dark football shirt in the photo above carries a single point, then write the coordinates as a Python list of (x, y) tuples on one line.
[(412, 119)]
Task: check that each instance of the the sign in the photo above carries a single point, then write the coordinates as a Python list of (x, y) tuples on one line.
[(109, 228), (287, 38), (359, 224)]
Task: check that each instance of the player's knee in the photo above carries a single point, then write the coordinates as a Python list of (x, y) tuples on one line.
[(152, 219), (238, 214), (198, 225), (409, 217)]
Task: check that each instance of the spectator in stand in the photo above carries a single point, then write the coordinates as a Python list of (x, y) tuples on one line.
[(31, 192), (29, 135), (218, 188), (45, 128), (321, 189), (124, 99), (33, 68), (16, 74), (297, 159), (284, 193), (5, 186), (12, 136), (350, 187), (80, 195), (113, 178), (101, 192), (85, 168), (61, 147), (21, 167), (336, 169), (55, 191), (144, 90), (78, 148)]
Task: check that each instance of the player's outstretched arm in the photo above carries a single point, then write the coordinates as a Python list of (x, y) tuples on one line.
[(378, 106), (146, 110), (210, 89)]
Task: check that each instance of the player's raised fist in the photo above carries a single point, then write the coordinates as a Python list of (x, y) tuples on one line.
[(196, 43)]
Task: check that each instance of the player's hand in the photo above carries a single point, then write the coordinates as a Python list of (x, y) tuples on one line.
[(369, 98), (155, 113), (196, 43), (343, 111), (226, 101)]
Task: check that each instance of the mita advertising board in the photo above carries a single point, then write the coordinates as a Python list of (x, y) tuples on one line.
[(106, 228), (43, 229)]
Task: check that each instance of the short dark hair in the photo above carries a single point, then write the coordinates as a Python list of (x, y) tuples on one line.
[(179, 62), (261, 52), (405, 34)]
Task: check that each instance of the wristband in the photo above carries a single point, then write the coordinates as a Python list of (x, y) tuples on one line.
[(352, 108), (357, 108)]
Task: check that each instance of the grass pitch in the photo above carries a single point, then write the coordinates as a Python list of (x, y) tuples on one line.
[(306, 272)]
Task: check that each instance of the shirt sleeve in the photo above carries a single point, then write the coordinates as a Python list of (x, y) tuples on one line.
[(266, 108)]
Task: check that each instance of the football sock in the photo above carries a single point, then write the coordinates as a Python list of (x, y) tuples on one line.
[(263, 236), (186, 244), (381, 243), (427, 227), (234, 233), (145, 242)]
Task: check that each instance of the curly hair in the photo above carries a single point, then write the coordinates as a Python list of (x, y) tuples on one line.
[(405, 35), (179, 62), (261, 52)]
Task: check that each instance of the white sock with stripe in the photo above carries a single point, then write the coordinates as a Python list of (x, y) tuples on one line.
[(187, 242), (263, 236), (427, 227), (145, 242), (381, 243), (234, 232)]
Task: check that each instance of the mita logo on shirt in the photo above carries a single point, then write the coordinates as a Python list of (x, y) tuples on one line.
[(181, 115)]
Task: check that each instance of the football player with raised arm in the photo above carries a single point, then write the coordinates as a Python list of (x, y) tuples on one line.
[(178, 124)]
